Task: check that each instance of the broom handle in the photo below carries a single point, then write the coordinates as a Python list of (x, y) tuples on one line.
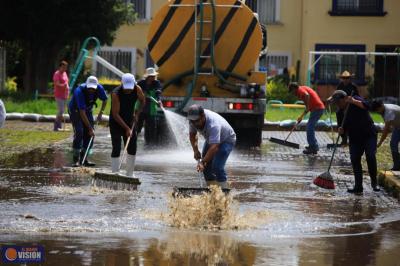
[(200, 176), (337, 139), (90, 143), (295, 125), (126, 147)]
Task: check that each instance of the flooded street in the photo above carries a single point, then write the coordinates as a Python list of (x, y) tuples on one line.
[(277, 216)]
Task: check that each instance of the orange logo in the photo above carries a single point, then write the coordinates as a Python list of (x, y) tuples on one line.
[(11, 254)]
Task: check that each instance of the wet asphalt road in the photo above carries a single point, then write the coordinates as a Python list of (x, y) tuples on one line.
[(282, 218)]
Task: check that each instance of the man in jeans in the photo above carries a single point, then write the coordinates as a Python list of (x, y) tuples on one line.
[(391, 116), (314, 105), (219, 141)]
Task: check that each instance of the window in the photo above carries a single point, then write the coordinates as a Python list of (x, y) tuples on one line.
[(357, 8), (122, 58), (329, 67), (268, 10), (142, 8), (276, 62)]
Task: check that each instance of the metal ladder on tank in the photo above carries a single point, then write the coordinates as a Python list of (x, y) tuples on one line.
[(199, 40)]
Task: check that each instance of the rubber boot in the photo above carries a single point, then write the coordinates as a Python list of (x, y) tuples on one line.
[(130, 165), (396, 161), (86, 163), (211, 183), (223, 185), (75, 158), (115, 164)]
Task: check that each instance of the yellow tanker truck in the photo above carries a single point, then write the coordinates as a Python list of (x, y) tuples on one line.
[(207, 53)]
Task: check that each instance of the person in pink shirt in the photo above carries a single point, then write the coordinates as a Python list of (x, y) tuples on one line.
[(61, 91), (315, 106)]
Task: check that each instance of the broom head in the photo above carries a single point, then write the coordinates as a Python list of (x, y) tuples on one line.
[(325, 181), (191, 191), (285, 143)]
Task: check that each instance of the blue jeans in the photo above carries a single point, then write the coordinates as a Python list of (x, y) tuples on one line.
[(81, 133), (312, 122), (394, 141), (215, 170)]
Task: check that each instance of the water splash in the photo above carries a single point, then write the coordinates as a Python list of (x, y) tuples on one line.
[(180, 128), (212, 211)]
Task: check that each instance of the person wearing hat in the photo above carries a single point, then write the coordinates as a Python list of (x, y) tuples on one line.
[(151, 88), (315, 106), (360, 128), (122, 118), (219, 141), (351, 89), (391, 116), (80, 109)]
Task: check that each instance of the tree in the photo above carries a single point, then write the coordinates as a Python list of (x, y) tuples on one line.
[(43, 28)]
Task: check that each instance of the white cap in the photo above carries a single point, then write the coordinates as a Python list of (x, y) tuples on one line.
[(92, 82), (128, 81), (150, 72)]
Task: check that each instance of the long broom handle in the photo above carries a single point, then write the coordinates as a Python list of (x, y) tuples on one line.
[(200, 175), (337, 139), (90, 143), (295, 125), (126, 147)]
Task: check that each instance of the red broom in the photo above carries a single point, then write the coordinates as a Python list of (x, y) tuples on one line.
[(325, 180)]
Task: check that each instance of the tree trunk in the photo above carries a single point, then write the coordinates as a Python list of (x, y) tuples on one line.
[(39, 67)]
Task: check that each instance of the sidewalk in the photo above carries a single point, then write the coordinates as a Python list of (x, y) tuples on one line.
[(390, 180)]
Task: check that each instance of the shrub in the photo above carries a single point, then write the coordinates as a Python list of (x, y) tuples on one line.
[(277, 90), (11, 84)]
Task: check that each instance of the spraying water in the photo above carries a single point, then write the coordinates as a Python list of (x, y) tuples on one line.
[(180, 128)]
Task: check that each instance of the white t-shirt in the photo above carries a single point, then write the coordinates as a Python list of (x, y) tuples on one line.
[(392, 114), (2, 114), (216, 130)]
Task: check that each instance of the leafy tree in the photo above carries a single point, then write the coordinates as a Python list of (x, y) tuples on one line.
[(44, 29)]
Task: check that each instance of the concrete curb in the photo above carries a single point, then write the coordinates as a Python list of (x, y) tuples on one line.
[(391, 182), (41, 118)]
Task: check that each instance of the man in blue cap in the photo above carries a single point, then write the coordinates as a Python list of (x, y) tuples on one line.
[(219, 141), (80, 110)]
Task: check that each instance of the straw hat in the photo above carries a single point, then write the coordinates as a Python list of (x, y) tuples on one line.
[(151, 71), (346, 74)]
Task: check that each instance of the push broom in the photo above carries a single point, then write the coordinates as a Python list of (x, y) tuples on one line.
[(325, 180), (285, 142), (115, 178), (190, 191)]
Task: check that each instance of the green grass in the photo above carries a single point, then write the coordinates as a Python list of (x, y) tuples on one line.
[(41, 106), (17, 141), (276, 114)]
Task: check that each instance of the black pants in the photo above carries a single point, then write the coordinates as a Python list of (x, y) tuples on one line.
[(116, 135), (339, 118), (150, 127), (357, 149)]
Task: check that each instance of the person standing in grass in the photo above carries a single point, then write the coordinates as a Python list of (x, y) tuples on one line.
[(122, 119), (391, 116), (315, 106), (80, 109), (61, 91)]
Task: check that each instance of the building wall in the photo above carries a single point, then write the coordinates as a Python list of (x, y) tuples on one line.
[(302, 24)]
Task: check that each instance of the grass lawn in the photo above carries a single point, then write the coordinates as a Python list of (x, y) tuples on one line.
[(276, 114), (42, 106), (14, 141)]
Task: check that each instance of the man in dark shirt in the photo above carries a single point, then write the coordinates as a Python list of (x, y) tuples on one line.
[(350, 89), (360, 128)]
